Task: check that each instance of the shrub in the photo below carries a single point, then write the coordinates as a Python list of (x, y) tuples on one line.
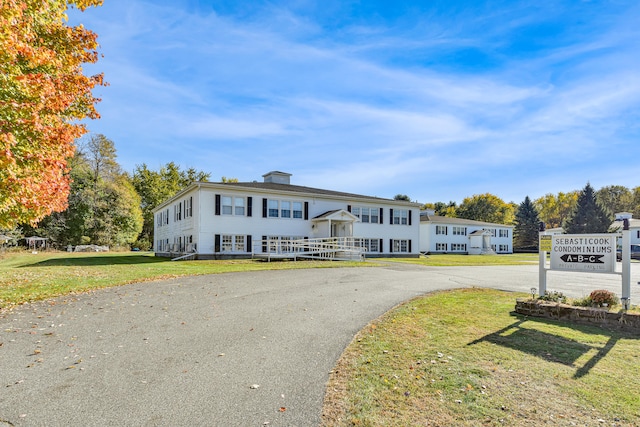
[(553, 296), (582, 302), (602, 296)]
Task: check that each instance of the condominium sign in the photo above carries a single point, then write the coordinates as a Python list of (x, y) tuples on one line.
[(594, 253)]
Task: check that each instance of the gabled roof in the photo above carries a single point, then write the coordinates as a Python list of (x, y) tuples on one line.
[(300, 189), (339, 214), (437, 219), (272, 187), (479, 233)]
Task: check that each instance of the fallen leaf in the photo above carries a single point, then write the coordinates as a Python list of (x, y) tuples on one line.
[(282, 409)]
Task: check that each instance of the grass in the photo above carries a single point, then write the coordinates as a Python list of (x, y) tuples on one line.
[(444, 260), (27, 277), (461, 358)]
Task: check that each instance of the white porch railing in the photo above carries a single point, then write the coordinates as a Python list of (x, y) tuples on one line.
[(328, 248)]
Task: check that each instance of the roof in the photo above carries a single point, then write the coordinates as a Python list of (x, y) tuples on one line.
[(633, 223), (334, 213), (300, 189), (285, 188), (479, 233), (438, 219)]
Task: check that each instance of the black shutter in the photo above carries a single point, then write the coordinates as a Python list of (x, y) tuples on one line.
[(249, 206), (381, 242), (409, 216), (264, 244), (349, 208), (391, 216), (248, 243), (264, 208), (306, 211), (217, 204), (410, 244), (381, 216), (216, 247), (390, 245)]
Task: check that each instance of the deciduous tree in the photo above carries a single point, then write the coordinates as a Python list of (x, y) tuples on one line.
[(555, 209), (104, 207), (486, 207), (616, 198), (43, 94), (154, 187)]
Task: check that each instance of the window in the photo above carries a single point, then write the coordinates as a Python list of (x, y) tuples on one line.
[(227, 207), (400, 245), (400, 216), (368, 245), (238, 203), (374, 218), (273, 208), (492, 230), (442, 247), (458, 247), (233, 243), (188, 207), (503, 248), (227, 243), (364, 215), (459, 231), (503, 233), (441, 229), (297, 210), (239, 244), (285, 209), (367, 215)]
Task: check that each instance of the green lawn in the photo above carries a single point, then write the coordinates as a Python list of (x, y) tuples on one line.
[(28, 277), (461, 358), (442, 260)]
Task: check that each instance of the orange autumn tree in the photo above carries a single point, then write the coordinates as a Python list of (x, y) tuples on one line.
[(43, 95)]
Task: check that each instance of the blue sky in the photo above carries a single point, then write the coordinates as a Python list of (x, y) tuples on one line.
[(438, 99)]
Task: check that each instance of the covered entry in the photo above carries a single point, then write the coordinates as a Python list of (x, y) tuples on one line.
[(480, 243), (336, 223)]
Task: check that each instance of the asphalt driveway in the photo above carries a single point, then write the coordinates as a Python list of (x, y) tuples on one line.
[(241, 349)]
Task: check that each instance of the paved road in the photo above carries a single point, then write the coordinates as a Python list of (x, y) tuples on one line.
[(186, 352)]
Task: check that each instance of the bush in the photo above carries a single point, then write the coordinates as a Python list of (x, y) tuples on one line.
[(142, 244), (602, 296), (582, 302), (553, 296)]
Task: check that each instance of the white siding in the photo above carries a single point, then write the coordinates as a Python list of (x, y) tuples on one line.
[(205, 224)]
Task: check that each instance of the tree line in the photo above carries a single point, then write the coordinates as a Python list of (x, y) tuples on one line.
[(107, 206), (576, 212)]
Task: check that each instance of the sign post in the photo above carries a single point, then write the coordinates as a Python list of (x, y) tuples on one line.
[(544, 245), (587, 253), (626, 265)]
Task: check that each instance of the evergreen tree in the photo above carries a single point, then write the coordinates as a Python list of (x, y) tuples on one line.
[(525, 232), (588, 216)]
